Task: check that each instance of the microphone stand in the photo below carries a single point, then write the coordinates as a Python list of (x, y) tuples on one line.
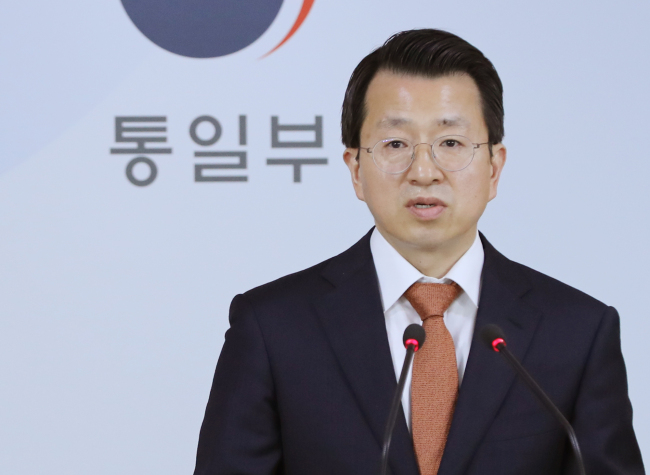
[(394, 408), (543, 398)]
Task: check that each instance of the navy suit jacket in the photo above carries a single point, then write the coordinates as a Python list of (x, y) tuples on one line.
[(305, 380)]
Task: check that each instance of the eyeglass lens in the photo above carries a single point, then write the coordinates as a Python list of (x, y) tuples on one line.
[(452, 153)]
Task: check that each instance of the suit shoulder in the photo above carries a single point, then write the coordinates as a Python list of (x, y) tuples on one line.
[(547, 292), (289, 286), (555, 292), (315, 280)]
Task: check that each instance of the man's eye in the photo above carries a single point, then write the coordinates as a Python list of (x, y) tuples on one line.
[(450, 143), (395, 144)]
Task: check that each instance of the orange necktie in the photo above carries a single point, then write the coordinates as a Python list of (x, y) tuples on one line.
[(434, 386)]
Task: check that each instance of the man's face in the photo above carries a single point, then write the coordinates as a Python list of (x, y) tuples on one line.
[(420, 110)]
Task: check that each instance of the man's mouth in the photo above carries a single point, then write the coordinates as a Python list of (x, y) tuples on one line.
[(426, 208), (422, 202)]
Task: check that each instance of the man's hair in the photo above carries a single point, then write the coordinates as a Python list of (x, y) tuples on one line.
[(428, 53)]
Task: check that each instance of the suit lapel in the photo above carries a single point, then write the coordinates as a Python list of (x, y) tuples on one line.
[(353, 320), (487, 380)]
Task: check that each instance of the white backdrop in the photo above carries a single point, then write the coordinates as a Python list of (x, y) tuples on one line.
[(114, 297)]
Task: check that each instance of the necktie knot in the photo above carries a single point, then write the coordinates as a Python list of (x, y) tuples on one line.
[(432, 300)]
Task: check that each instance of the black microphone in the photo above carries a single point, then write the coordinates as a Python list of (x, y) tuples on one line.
[(495, 339), (413, 339)]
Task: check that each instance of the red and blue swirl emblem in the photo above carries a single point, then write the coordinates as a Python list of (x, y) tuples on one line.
[(208, 28)]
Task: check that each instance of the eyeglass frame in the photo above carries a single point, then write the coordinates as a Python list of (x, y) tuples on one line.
[(370, 150)]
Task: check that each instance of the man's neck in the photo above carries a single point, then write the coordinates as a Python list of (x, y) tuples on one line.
[(434, 260)]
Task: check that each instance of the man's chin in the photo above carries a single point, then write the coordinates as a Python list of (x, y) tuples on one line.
[(418, 238), (434, 239)]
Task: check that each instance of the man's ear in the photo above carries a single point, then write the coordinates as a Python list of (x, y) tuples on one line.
[(497, 162), (352, 160)]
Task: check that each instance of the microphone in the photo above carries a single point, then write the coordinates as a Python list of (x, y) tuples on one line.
[(495, 339), (413, 339)]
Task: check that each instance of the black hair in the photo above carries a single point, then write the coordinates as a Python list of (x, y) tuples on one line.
[(428, 53)]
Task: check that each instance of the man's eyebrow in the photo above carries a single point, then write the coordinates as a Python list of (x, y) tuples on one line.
[(451, 121), (391, 122)]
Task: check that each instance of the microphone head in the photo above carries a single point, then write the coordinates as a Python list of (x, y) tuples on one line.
[(414, 335), (493, 336)]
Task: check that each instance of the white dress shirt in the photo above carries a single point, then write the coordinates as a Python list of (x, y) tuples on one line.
[(396, 275)]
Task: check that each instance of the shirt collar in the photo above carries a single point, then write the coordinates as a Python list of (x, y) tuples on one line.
[(396, 274)]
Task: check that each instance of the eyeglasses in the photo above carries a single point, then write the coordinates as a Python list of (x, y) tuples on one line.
[(451, 153)]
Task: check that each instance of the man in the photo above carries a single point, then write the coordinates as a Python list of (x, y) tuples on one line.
[(304, 382)]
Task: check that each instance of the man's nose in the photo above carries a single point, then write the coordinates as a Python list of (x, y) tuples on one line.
[(424, 170)]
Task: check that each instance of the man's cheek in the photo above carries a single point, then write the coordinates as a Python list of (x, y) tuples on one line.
[(358, 189)]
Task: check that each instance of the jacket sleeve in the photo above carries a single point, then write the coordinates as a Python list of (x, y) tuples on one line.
[(240, 430), (602, 416)]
